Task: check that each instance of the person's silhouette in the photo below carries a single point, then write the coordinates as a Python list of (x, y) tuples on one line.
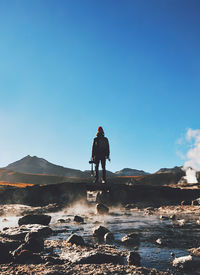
[(100, 152)]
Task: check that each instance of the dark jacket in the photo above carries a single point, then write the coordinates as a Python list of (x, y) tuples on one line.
[(100, 147)]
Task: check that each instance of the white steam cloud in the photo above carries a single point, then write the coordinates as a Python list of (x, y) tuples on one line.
[(193, 155)]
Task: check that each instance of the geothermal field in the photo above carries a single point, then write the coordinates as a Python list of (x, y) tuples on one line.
[(146, 224)]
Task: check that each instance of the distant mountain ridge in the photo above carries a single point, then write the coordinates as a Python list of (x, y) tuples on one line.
[(131, 172), (174, 170), (35, 165)]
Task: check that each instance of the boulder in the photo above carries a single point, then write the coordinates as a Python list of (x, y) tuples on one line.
[(109, 237), (100, 231), (10, 244), (19, 233), (27, 257), (35, 219), (102, 209), (75, 239), (5, 256), (131, 239), (99, 258), (78, 219), (134, 258)]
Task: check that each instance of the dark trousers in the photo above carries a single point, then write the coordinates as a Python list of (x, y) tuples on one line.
[(103, 165)]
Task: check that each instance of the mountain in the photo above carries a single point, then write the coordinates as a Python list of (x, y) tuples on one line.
[(174, 170), (35, 165), (131, 172)]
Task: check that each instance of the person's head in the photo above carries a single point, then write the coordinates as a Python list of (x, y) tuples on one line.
[(100, 131)]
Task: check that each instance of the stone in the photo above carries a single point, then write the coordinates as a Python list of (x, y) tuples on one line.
[(100, 231), (173, 217), (78, 219), (181, 222), (5, 256), (76, 239), (109, 237), (27, 257), (19, 233), (134, 258), (102, 209), (195, 202), (35, 219), (183, 262), (99, 258), (131, 239)]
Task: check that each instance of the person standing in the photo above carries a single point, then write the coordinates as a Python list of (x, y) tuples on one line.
[(100, 152)]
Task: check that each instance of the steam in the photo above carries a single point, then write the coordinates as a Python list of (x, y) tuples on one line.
[(192, 165)]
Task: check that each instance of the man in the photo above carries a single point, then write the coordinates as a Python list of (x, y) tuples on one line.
[(100, 152)]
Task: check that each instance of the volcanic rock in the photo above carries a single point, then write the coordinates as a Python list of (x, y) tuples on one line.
[(183, 262), (131, 239), (102, 209), (134, 258), (27, 257), (76, 239), (100, 231), (78, 219), (5, 256), (19, 233), (99, 258), (35, 219), (108, 237)]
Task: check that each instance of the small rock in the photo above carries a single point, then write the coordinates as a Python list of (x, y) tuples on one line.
[(198, 222), (78, 219), (134, 258), (131, 239), (102, 209), (195, 202), (61, 220), (76, 239), (159, 241), (173, 217), (108, 237), (181, 222), (100, 231), (99, 258), (35, 219), (182, 262)]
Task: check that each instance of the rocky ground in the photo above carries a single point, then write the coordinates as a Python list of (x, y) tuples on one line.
[(27, 248)]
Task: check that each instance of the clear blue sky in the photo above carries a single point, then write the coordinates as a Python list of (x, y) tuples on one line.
[(68, 66)]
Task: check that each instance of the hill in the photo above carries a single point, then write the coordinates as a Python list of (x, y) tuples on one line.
[(35, 165), (174, 170), (131, 172)]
